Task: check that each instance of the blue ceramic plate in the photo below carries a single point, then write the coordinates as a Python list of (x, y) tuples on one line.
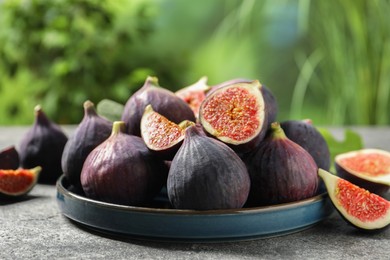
[(159, 222)]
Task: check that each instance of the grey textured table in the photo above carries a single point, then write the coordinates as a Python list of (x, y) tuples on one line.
[(34, 228)]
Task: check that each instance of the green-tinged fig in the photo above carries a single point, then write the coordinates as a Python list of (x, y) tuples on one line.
[(236, 114), (358, 206), (366, 168), (161, 135), (9, 158), (194, 94), (269, 98), (206, 174), (122, 170), (306, 135), (17, 183), (163, 101), (280, 170), (43, 145), (92, 131)]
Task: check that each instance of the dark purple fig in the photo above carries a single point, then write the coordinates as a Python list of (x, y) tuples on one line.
[(269, 98), (92, 131), (206, 174), (280, 170), (306, 135), (163, 101), (43, 145), (122, 170), (236, 114), (9, 158), (161, 135)]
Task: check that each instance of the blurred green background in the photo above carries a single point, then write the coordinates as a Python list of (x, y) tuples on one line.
[(324, 60)]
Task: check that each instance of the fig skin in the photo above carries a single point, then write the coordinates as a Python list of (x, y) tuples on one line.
[(9, 158), (163, 101), (269, 97), (281, 171), (122, 170), (206, 174), (306, 135), (231, 112), (43, 145), (91, 131)]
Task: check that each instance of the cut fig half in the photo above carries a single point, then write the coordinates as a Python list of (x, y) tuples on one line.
[(358, 206), (194, 94), (16, 183), (236, 115), (367, 168), (161, 135)]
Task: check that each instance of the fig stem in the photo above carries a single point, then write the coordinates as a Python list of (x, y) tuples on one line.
[(118, 127), (277, 131), (89, 108)]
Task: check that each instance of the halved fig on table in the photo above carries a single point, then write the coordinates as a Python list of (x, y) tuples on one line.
[(161, 135), (358, 206), (367, 168), (236, 114), (17, 183)]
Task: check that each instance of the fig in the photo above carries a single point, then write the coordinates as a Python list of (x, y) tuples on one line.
[(9, 158), (358, 206), (19, 182), (91, 131), (206, 174), (236, 114), (122, 170), (194, 94), (306, 135), (42, 145), (268, 96), (366, 168), (280, 170), (162, 135), (163, 101)]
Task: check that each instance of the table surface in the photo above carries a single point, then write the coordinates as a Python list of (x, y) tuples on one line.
[(34, 228)]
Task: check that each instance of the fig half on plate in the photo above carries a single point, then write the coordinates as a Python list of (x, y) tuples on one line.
[(358, 206), (367, 168), (161, 135)]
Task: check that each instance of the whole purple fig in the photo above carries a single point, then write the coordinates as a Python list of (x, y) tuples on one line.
[(43, 145), (163, 101), (92, 131), (280, 170), (306, 135), (206, 174), (122, 170)]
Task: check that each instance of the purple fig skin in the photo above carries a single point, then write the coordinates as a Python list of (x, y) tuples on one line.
[(43, 145), (206, 174), (281, 171), (269, 98), (162, 100), (122, 170), (306, 135), (92, 131), (9, 158)]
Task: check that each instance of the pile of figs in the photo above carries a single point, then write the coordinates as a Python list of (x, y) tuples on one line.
[(210, 147)]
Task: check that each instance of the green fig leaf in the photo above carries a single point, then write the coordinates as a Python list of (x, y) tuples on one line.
[(110, 109), (352, 141)]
